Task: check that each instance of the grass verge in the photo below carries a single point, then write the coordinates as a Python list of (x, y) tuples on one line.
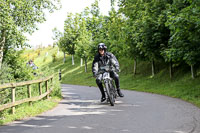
[(24, 111)]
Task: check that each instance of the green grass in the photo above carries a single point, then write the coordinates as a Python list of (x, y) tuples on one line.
[(25, 110), (74, 74), (181, 86)]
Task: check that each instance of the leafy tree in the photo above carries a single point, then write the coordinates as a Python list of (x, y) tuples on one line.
[(84, 42), (5, 74), (18, 17), (184, 23), (147, 21), (129, 9), (60, 41), (132, 50), (115, 33), (17, 66), (71, 34), (94, 25)]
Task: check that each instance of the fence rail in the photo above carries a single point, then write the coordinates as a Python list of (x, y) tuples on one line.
[(30, 99)]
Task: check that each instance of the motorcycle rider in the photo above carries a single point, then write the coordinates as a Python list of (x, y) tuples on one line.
[(101, 59)]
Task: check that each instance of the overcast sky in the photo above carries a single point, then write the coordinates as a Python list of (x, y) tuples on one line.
[(44, 34)]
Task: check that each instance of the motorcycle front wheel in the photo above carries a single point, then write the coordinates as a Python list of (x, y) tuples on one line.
[(110, 93)]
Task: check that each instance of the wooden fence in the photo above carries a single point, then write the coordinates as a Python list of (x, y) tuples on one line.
[(30, 99)]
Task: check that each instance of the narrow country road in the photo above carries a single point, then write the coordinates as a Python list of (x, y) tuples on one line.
[(81, 112)]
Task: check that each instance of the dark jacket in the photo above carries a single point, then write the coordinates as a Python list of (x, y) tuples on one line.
[(107, 59)]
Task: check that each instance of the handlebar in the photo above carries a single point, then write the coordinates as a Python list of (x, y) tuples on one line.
[(106, 69)]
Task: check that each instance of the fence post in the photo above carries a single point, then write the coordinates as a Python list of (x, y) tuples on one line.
[(40, 88), (60, 74), (29, 93), (47, 89), (13, 99), (52, 80)]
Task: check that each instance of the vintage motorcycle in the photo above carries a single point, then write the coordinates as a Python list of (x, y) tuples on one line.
[(108, 83)]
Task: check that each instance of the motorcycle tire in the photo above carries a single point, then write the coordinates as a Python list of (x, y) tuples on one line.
[(109, 93)]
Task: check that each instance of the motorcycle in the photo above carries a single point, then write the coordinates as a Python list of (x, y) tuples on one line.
[(108, 83)]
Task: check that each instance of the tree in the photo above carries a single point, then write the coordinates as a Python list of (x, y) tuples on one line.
[(60, 42), (183, 22), (84, 42), (19, 17), (94, 25), (71, 33), (115, 27), (147, 23)]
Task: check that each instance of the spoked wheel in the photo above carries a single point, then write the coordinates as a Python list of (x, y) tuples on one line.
[(110, 93), (114, 91)]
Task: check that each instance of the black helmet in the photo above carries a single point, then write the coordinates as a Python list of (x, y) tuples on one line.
[(102, 46)]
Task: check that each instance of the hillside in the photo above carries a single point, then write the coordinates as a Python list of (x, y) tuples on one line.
[(180, 86)]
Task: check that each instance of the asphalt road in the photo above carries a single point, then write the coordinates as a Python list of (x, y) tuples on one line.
[(81, 112)]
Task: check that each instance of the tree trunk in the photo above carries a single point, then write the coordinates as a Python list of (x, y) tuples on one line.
[(72, 59), (153, 68), (64, 57), (2, 44), (58, 51), (135, 66), (193, 72), (81, 61), (170, 69), (85, 64)]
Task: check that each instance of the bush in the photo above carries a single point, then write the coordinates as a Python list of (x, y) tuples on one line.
[(18, 70), (45, 59), (38, 52), (5, 74), (54, 55)]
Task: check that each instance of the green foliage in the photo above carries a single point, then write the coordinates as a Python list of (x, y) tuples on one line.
[(5, 74), (165, 30), (18, 68), (56, 87), (114, 27), (71, 33), (54, 55), (19, 17), (184, 27), (45, 59), (147, 22), (84, 40), (38, 52)]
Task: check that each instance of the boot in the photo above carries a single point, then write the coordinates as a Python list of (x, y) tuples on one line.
[(103, 98), (120, 93)]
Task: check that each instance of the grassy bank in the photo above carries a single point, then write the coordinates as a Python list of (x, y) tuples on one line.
[(41, 58), (24, 111)]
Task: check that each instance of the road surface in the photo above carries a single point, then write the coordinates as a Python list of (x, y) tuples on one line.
[(81, 112)]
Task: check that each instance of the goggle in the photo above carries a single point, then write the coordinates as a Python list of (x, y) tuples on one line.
[(101, 49)]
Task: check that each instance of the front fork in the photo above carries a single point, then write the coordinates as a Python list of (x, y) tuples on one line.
[(109, 88)]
